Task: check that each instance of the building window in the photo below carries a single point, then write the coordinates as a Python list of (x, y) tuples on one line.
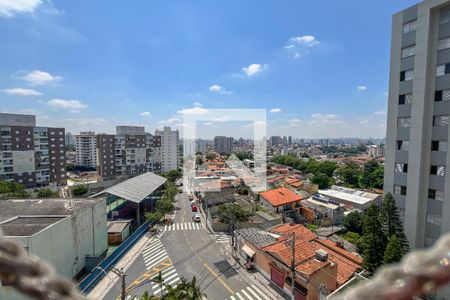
[(409, 26), (445, 16), (434, 219), (439, 146), (436, 195), (401, 168), (408, 51), (440, 121), (442, 70), (443, 95), (405, 99), (429, 241), (400, 190), (437, 170), (444, 43), (404, 122), (407, 75)]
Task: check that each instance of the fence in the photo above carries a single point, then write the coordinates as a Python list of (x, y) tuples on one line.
[(89, 282)]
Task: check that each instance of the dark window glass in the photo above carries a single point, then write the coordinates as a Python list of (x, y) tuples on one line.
[(403, 190), (434, 145), (447, 68), (431, 194), (402, 76), (401, 99), (399, 145), (433, 170), (438, 96), (405, 168)]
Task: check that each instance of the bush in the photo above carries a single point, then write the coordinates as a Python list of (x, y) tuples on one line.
[(13, 190), (79, 190), (47, 193), (312, 227), (154, 216)]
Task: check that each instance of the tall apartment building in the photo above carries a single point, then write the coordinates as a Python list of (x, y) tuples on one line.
[(417, 154), (170, 154), (86, 149), (128, 153), (275, 141), (223, 144), (31, 155)]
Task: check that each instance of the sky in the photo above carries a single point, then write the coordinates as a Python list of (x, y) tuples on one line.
[(319, 68)]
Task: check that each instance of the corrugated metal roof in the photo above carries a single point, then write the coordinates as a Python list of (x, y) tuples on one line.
[(136, 188)]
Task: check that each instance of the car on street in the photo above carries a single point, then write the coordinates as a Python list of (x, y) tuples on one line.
[(196, 218), (194, 208)]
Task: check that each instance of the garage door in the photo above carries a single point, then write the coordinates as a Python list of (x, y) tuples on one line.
[(277, 277)]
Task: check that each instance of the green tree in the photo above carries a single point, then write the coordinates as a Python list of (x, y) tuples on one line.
[(173, 175), (164, 206), (47, 193), (373, 242), (185, 290), (394, 251), (232, 211), (326, 167), (13, 190), (322, 180), (210, 156), (349, 174), (199, 160), (79, 190), (391, 223), (353, 238), (154, 216), (353, 221), (372, 176)]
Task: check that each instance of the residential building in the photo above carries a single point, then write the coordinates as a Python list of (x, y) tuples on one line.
[(71, 235), (279, 200), (69, 139), (170, 154), (223, 144), (321, 211), (350, 198), (321, 266), (86, 149), (106, 156), (130, 151), (418, 122), (31, 155), (153, 148), (375, 150), (275, 141)]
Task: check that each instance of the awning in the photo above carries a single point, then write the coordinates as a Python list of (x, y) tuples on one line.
[(247, 250)]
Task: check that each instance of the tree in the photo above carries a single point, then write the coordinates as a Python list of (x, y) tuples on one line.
[(79, 190), (372, 176), (13, 190), (154, 216), (164, 206), (199, 160), (353, 221), (47, 193), (322, 180), (232, 211), (210, 156), (394, 251), (391, 223), (373, 242), (353, 238), (173, 175), (185, 290), (327, 167), (350, 174)]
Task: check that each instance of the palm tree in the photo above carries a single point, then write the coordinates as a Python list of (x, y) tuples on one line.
[(147, 296), (160, 280), (185, 290)]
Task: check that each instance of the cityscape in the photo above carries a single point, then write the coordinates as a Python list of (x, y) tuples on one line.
[(157, 189)]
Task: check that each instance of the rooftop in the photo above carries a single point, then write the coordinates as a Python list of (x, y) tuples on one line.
[(27, 226), (348, 194), (280, 196), (258, 237)]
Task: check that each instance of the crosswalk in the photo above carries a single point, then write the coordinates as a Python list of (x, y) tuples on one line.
[(221, 238), (183, 226), (154, 254), (250, 293), (169, 276)]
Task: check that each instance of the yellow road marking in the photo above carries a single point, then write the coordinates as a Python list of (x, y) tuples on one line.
[(220, 279)]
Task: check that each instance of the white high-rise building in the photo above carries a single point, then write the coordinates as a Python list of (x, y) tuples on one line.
[(85, 148), (169, 149)]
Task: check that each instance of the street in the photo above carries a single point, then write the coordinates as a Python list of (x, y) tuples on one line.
[(186, 249)]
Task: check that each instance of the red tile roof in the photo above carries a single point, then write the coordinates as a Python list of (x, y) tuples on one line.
[(301, 232), (280, 196)]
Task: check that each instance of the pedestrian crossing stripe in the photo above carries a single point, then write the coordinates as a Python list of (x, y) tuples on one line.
[(183, 226), (169, 276), (154, 254), (250, 293), (221, 238)]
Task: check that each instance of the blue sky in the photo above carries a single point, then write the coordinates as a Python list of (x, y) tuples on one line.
[(320, 68)]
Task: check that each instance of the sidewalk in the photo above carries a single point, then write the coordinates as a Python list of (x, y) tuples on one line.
[(112, 280)]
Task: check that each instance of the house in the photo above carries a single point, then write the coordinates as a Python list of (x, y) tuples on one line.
[(321, 211), (358, 199), (321, 266), (279, 200)]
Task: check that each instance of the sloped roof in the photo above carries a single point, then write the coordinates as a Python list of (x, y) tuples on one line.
[(280, 196), (136, 188)]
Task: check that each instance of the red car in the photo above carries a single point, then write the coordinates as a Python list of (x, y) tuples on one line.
[(194, 208)]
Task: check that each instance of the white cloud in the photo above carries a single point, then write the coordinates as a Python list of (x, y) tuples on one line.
[(145, 114), (170, 121), (218, 89), (295, 122), (364, 122), (21, 91), (380, 113), (275, 110), (9, 8), (193, 111), (37, 77), (222, 119), (71, 105), (361, 88), (289, 46), (254, 69), (197, 104), (325, 119), (297, 55), (207, 124), (306, 40)]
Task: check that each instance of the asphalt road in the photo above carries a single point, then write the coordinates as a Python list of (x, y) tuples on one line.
[(186, 249)]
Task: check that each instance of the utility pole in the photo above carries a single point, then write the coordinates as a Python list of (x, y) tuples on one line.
[(122, 275), (293, 266)]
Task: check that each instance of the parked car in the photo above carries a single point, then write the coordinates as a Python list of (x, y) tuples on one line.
[(196, 218), (194, 208)]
